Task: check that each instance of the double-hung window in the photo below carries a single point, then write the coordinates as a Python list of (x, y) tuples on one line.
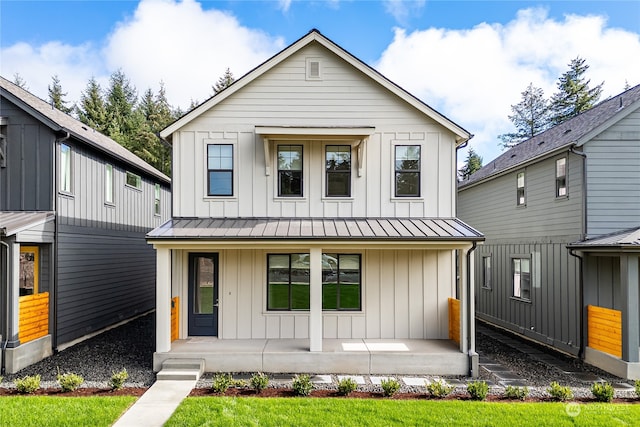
[(338, 169), (561, 177), (407, 170), (288, 282), (220, 170), (341, 282), (156, 199), (65, 168), (521, 278), (520, 194), (290, 171)]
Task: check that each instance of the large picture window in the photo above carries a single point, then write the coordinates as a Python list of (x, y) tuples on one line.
[(220, 170), (561, 177), (288, 282), (65, 168), (290, 170), (341, 282), (338, 167), (521, 270), (407, 171)]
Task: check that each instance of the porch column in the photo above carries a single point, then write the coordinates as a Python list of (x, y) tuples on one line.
[(315, 297), (13, 294), (163, 300), (629, 278)]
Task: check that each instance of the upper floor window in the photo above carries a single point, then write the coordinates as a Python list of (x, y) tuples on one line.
[(3, 142), (521, 278), (65, 168), (520, 195), (407, 171), (338, 168), (156, 199), (108, 183), (290, 170), (561, 177), (220, 170), (486, 272), (134, 180)]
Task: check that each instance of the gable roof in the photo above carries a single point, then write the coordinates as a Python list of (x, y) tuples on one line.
[(314, 36), (574, 132), (59, 121)]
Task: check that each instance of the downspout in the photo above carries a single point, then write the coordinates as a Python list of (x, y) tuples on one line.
[(581, 284), (7, 308), (54, 282), (473, 356)]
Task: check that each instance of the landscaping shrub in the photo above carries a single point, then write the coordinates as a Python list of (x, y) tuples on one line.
[(390, 386), (478, 390), (439, 388), (512, 392), (638, 388), (560, 393), (69, 381), (118, 378), (221, 383), (302, 385), (603, 392), (346, 386), (28, 384), (259, 381)]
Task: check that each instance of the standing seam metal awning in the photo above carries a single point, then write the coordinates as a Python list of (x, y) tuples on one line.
[(397, 229)]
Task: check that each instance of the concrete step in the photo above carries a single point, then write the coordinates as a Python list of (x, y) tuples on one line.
[(181, 369)]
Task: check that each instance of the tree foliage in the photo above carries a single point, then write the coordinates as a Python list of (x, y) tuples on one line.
[(574, 95), (224, 81), (56, 96), (472, 164), (530, 117), (92, 110), (19, 81)]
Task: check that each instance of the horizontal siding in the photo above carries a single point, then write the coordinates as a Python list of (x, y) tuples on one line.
[(103, 277), (491, 208)]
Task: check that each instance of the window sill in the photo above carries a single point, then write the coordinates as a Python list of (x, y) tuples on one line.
[(131, 187), (66, 195), (524, 300), (290, 198), (109, 205), (485, 288), (338, 198), (306, 312), (562, 198), (406, 198), (211, 198)]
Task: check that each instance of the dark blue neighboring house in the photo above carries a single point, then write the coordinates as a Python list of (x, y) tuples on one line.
[(74, 210)]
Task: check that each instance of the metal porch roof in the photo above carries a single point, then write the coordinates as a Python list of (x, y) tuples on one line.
[(625, 239), (407, 229), (13, 222)]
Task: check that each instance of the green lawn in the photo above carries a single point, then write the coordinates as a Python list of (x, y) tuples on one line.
[(54, 411), (247, 411)]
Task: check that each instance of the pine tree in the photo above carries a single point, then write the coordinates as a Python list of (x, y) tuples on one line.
[(574, 94), (473, 163), (19, 81), (121, 100), (92, 110), (224, 82), (56, 96), (530, 117)]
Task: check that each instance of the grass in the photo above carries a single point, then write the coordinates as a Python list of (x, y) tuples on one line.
[(228, 411), (54, 411)]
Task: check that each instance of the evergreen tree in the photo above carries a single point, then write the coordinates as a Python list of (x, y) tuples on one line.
[(473, 163), (19, 81), (224, 82), (574, 94), (56, 96), (122, 120), (530, 117), (92, 110)]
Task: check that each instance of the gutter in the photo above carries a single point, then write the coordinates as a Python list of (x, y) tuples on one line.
[(473, 356)]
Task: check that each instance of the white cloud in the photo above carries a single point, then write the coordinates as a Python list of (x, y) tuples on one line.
[(284, 5), (473, 76)]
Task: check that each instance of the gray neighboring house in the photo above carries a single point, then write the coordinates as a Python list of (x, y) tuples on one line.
[(74, 210), (561, 217)]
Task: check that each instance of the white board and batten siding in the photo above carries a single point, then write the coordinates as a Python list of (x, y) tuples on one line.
[(343, 97), (404, 296)]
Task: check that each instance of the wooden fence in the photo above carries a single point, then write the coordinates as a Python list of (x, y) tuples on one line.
[(454, 320), (33, 321), (175, 318), (604, 328)]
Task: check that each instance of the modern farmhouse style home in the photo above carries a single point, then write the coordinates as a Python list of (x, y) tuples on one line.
[(74, 210), (561, 215), (314, 226)]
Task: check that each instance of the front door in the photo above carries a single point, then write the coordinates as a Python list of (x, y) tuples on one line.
[(203, 294)]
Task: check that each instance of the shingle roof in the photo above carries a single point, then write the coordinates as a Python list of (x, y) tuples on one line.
[(54, 117), (563, 135), (625, 239), (409, 229), (12, 222)]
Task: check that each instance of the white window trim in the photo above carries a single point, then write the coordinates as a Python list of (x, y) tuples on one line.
[(353, 171), (566, 178), (512, 277), (205, 174), (107, 202), (392, 156), (524, 188), (133, 187), (308, 67), (68, 170)]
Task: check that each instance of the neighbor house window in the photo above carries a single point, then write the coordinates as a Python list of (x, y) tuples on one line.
[(290, 170), (29, 265), (407, 170), (156, 199), (521, 270), (338, 168), (486, 272), (220, 170), (341, 282), (288, 282), (3, 142), (65, 168), (134, 180), (561, 177), (108, 183), (520, 195)]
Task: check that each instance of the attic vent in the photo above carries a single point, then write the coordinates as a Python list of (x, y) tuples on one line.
[(541, 142), (513, 155), (567, 131), (313, 69)]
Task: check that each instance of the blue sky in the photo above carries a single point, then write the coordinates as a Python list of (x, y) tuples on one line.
[(468, 59)]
